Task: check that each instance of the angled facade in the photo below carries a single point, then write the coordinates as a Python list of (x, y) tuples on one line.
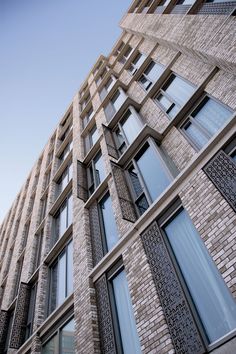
[(123, 238)]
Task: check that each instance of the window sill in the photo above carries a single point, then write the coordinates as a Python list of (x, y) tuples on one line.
[(58, 246), (221, 341), (92, 151), (97, 193), (62, 167), (132, 148), (60, 199)]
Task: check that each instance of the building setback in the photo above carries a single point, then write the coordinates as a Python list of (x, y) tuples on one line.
[(122, 239)]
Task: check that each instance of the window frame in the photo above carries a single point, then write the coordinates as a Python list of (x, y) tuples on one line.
[(53, 263), (92, 176), (57, 221), (125, 144), (135, 66), (150, 81), (153, 145), (31, 311), (56, 330), (173, 102), (191, 120)]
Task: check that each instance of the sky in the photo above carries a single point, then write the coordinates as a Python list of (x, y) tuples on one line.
[(47, 48)]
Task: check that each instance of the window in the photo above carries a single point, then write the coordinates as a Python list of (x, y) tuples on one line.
[(66, 152), (148, 175), (85, 102), (96, 173), (10, 322), (126, 55), (174, 94), (62, 342), (61, 278), (127, 130), (147, 6), (19, 266), (66, 133), (64, 179), (31, 310), (119, 49), (185, 2), (91, 138), (25, 234), (150, 75), (115, 103), (89, 115), (205, 121), (212, 299), (97, 68), (122, 312), (136, 63), (63, 218), (107, 87), (108, 224), (101, 77)]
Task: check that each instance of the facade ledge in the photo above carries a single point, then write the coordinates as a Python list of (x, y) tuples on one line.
[(97, 193)]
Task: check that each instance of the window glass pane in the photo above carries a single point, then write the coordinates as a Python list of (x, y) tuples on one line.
[(109, 223), (210, 294), (61, 289), (51, 346), (179, 90), (138, 190), (154, 71), (100, 171), (69, 268), (154, 174), (211, 115), (131, 127), (63, 220), (94, 135), (145, 82), (67, 338), (164, 101), (233, 155), (129, 337), (196, 134), (118, 100), (70, 211), (53, 287), (70, 172)]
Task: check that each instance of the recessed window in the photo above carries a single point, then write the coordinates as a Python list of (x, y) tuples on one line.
[(43, 206), (63, 218), (107, 87), (64, 179), (66, 152), (150, 75), (31, 310), (96, 172), (136, 63), (89, 115), (126, 55), (91, 138), (123, 316), (149, 176), (115, 104), (101, 77), (205, 121), (85, 102), (63, 341), (174, 94), (127, 130), (107, 223), (61, 278), (217, 313)]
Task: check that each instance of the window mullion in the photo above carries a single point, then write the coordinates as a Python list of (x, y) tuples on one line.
[(142, 183)]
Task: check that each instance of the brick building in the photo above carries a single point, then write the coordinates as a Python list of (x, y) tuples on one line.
[(122, 239)]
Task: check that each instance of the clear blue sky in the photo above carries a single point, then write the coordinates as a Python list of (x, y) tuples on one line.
[(47, 49)]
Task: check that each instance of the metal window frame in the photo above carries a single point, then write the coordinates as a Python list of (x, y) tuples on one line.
[(92, 177), (134, 65), (147, 77), (198, 125), (57, 220), (31, 310), (52, 264), (57, 332)]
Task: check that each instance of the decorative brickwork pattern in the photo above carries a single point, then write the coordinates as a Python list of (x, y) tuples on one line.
[(183, 330), (111, 148), (95, 232), (105, 317), (3, 328), (222, 172), (20, 317), (126, 203)]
